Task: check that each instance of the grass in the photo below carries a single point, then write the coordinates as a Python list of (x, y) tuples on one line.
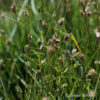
[(49, 50)]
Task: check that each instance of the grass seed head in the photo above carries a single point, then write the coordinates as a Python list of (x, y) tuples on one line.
[(82, 56), (64, 85), (82, 12), (74, 51), (43, 62), (50, 50), (61, 21), (97, 34), (26, 13), (60, 60), (66, 37), (43, 23), (67, 54), (29, 36), (91, 72), (13, 7), (39, 9), (95, 4), (9, 42), (28, 63)]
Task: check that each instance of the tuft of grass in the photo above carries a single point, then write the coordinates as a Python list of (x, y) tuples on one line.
[(49, 49)]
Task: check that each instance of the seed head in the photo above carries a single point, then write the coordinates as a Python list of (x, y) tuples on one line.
[(74, 51), (9, 42), (82, 2), (60, 60), (39, 10), (67, 54), (18, 89), (43, 23), (87, 10), (64, 86), (26, 13), (43, 62), (91, 72), (50, 41), (28, 63), (61, 21), (66, 37), (50, 50), (13, 7), (56, 46), (82, 12), (82, 56), (40, 20), (29, 36), (95, 4), (97, 33)]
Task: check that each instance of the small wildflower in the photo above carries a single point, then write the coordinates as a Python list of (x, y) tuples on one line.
[(61, 21), (9, 42), (13, 7), (26, 13), (91, 72)]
